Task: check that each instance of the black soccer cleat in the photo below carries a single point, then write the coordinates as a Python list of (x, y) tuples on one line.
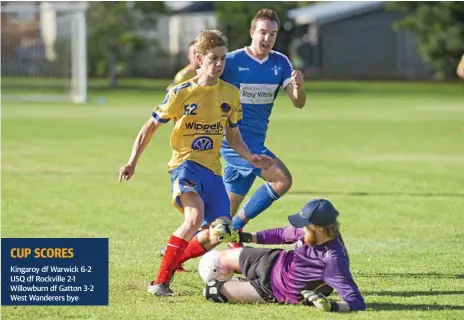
[(160, 290)]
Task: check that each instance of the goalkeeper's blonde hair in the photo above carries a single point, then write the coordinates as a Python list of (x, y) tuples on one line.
[(209, 39)]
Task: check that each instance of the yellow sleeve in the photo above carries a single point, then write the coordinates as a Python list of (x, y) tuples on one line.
[(461, 63), (168, 109), (183, 75), (236, 112), (178, 78), (186, 75)]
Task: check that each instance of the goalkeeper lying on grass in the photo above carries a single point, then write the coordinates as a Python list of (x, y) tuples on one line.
[(305, 275)]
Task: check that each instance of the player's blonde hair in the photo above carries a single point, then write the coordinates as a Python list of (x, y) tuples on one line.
[(265, 14), (209, 39)]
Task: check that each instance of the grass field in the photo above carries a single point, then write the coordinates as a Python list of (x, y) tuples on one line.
[(389, 155)]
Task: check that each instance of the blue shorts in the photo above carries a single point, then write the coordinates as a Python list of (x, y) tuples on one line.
[(239, 174), (193, 177)]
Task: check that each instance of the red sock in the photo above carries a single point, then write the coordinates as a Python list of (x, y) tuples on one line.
[(194, 249), (174, 251)]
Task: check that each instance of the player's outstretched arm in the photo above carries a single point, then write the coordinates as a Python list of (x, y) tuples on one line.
[(234, 139), (223, 231), (337, 274), (295, 89), (141, 141)]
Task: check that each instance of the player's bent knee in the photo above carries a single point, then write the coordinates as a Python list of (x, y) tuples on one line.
[(285, 181), (282, 186), (288, 181), (212, 292), (286, 177)]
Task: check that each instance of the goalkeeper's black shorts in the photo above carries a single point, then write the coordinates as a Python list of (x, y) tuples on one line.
[(256, 265)]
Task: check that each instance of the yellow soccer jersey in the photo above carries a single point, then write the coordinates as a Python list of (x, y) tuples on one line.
[(185, 74), (200, 116), (461, 63)]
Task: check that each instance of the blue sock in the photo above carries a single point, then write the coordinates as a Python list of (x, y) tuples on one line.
[(259, 201)]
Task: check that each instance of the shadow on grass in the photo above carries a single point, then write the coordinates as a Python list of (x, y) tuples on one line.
[(413, 293), (410, 307), (427, 275), (380, 194)]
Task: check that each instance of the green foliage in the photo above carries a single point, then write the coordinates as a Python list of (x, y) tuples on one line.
[(237, 25), (439, 27), (113, 34)]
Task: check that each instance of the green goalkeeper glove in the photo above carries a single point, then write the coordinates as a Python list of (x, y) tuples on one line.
[(316, 299), (224, 231)]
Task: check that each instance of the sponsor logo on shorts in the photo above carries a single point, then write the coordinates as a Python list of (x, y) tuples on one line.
[(190, 183)]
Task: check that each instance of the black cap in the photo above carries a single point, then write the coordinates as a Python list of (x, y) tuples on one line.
[(317, 211)]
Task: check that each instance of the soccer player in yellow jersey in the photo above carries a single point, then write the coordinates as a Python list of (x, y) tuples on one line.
[(460, 68), (189, 71), (201, 109)]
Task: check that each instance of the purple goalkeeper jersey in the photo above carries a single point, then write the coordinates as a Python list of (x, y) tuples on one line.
[(293, 270)]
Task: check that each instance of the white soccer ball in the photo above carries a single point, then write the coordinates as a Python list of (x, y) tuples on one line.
[(211, 269)]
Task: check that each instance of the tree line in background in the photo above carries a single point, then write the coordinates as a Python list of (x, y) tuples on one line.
[(113, 36)]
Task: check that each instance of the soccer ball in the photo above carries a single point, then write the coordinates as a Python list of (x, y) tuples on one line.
[(211, 269)]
